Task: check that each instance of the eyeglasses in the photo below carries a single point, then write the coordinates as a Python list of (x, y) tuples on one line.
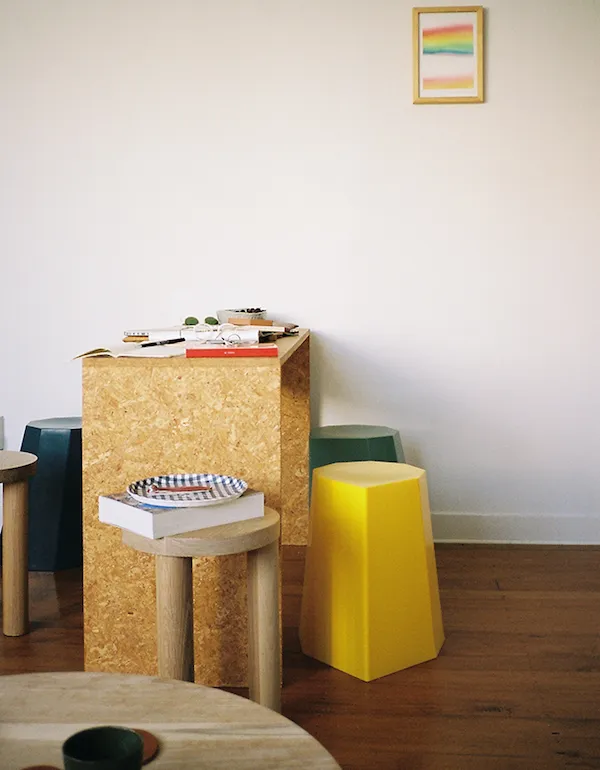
[(222, 338)]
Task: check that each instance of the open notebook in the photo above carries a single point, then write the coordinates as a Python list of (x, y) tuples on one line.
[(134, 350)]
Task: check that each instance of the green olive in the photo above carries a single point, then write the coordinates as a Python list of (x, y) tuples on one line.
[(211, 321), (191, 321)]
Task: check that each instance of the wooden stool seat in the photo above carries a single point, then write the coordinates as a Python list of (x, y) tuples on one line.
[(259, 538), (15, 470), (16, 466)]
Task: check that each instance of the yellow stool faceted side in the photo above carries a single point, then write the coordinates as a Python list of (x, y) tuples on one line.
[(370, 604)]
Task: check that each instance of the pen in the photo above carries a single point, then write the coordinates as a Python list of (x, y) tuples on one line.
[(154, 489), (162, 342)]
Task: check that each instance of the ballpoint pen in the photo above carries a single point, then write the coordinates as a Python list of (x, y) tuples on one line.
[(162, 342), (154, 489)]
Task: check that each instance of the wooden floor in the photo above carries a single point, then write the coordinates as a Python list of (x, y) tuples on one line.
[(516, 686)]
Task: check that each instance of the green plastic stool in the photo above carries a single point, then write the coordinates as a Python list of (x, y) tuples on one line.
[(353, 443), (55, 517)]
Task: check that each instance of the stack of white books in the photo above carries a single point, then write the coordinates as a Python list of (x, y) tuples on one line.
[(155, 522)]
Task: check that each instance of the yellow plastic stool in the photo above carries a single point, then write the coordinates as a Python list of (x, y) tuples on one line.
[(370, 604)]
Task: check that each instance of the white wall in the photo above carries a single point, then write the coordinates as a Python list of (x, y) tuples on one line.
[(166, 158)]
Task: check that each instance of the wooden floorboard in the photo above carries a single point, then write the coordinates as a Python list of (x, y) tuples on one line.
[(515, 687)]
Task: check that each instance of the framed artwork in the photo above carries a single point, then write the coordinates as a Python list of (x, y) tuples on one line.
[(448, 54)]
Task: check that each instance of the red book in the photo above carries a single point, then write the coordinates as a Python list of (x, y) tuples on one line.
[(202, 350)]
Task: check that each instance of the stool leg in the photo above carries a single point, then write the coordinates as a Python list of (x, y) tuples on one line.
[(264, 632), (15, 604), (174, 618)]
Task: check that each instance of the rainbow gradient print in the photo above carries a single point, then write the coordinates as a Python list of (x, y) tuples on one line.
[(453, 39), (448, 83)]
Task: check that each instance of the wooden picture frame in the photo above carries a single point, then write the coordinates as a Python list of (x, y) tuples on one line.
[(448, 55)]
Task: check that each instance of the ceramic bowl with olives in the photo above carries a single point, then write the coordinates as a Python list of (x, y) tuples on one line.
[(249, 313)]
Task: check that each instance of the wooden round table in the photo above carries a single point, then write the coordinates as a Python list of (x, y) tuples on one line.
[(196, 726)]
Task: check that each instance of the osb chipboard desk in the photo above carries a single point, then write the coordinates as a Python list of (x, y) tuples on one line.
[(245, 417)]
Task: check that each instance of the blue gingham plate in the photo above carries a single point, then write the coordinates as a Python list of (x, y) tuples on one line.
[(184, 490)]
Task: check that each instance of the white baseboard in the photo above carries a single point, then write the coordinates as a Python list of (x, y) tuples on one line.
[(453, 527)]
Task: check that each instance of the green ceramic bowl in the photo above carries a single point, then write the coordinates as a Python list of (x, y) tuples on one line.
[(104, 748)]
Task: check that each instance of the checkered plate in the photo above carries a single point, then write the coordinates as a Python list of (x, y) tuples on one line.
[(170, 491)]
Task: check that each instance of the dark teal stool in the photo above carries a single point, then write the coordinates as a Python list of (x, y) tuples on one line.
[(55, 516), (352, 443)]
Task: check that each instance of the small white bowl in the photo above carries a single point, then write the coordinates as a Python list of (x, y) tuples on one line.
[(223, 316)]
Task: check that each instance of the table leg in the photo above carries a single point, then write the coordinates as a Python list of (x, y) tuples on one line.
[(264, 637), (174, 618), (15, 600)]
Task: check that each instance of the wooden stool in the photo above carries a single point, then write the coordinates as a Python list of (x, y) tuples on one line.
[(15, 469), (259, 538)]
